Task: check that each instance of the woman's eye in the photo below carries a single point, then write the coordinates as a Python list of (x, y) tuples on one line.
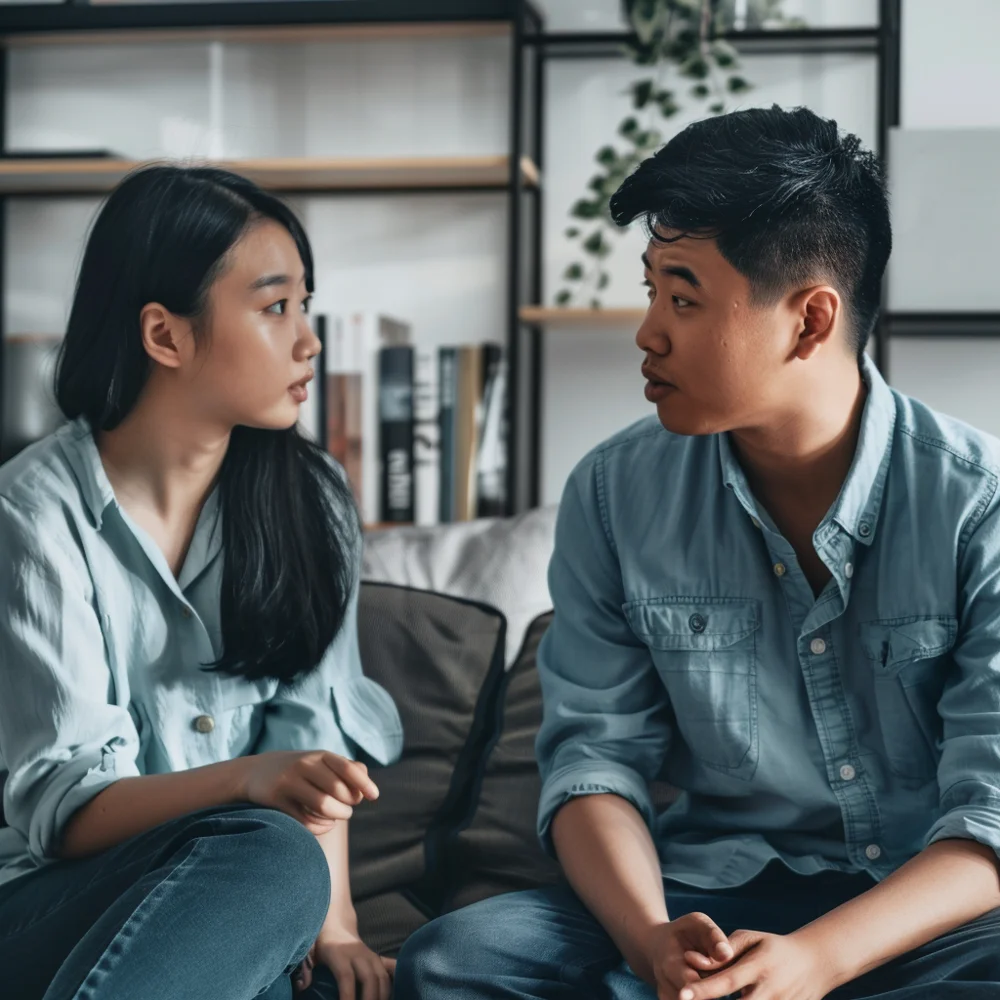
[(306, 303), (277, 308)]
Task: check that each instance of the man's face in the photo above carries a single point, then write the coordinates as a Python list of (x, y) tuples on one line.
[(713, 360)]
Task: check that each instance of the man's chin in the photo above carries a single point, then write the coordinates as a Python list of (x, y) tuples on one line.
[(685, 420)]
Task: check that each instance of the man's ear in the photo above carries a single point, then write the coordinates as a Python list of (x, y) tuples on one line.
[(819, 310), (166, 337)]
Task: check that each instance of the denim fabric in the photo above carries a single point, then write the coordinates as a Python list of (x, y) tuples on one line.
[(845, 731), (223, 904), (545, 945), (102, 649)]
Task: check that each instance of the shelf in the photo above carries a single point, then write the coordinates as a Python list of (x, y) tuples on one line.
[(118, 22), (943, 324), (589, 318), (96, 176), (595, 45)]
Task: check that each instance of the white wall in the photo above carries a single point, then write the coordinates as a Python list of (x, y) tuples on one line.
[(439, 260)]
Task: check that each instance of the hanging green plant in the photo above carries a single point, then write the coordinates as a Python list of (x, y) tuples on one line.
[(675, 40)]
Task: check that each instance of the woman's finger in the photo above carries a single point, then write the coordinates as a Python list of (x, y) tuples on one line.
[(319, 802), (353, 772), (345, 981), (389, 964)]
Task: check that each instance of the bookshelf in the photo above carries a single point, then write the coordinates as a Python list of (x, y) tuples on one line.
[(515, 173), (299, 175), (563, 318)]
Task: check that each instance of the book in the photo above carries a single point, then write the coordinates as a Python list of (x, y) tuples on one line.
[(342, 405), (491, 464), (395, 394), (426, 438), (312, 418), (447, 390), (468, 403)]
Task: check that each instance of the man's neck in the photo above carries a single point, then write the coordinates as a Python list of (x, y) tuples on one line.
[(800, 461)]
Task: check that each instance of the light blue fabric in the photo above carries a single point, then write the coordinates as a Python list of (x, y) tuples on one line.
[(101, 649), (844, 732)]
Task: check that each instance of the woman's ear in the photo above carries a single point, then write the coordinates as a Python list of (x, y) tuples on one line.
[(167, 338), (819, 310)]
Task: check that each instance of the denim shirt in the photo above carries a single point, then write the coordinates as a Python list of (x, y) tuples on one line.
[(846, 731), (101, 650)]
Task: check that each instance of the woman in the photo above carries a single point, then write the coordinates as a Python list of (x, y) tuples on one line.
[(181, 696)]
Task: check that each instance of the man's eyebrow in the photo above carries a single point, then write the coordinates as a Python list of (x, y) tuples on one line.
[(684, 273)]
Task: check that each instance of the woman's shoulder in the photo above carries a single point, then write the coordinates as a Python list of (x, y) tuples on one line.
[(38, 487)]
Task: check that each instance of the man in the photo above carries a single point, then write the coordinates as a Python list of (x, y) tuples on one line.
[(782, 595)]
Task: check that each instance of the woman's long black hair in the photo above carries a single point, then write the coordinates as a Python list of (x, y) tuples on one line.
[(290, 527)]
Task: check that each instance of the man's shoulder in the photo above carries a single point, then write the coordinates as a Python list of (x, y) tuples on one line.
[(928, 435), (646, 441)]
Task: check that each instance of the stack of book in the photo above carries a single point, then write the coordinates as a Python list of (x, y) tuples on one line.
[(421, 434)]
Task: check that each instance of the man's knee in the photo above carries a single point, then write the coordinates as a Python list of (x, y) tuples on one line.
[(429, 958)]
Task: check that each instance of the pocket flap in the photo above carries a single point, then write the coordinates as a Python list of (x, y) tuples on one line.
[(895, 641), (692, 622)]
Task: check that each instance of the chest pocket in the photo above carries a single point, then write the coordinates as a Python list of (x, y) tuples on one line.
[(240, 715), (705, 651), (909, 657)]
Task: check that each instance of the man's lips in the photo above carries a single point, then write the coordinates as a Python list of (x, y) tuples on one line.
[(651, 376)]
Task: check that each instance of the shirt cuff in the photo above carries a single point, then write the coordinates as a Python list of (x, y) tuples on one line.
[(977, 820), (71, 787), (588, 777)]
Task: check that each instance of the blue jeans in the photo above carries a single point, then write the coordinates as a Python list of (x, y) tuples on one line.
[(545, 944), (221, 904)]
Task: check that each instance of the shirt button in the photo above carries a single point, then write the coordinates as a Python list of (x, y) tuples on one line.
[(204, 724), (847, 772), (873, 852), (848, 570), (818, 647), (697, 623), (779, 569), (864, 529), (185, 611)]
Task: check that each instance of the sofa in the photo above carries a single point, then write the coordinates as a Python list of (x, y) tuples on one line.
[(450, 619)]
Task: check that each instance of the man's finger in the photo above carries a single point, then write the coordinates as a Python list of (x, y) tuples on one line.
[(703, 962), (742, 941), (732, 980)]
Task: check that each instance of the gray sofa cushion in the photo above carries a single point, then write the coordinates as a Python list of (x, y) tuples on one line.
[(441, 659)]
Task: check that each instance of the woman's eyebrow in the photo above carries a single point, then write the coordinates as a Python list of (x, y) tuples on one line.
[(268, 280)]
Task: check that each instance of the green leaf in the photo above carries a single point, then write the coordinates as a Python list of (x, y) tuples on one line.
[(668, 106), (603, 281), (563, 298), (594, 242), (700, 90), (695, 68), (607, 156), (718, 108), (737, 85), (572, 233), (596, 184), (574, 272), (649, 139), (726, 57), (628, 127), (584, 209), (641, 93), (595, 303)]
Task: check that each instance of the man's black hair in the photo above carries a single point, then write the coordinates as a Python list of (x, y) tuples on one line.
[(787, 197)]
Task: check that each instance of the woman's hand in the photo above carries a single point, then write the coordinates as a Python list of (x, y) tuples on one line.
[(316, 787), (360, 973), (767, 967)]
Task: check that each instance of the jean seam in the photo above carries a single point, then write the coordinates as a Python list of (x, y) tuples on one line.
[(136, 917)]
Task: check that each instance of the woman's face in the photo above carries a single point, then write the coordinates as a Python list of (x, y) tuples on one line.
[(254, 364)]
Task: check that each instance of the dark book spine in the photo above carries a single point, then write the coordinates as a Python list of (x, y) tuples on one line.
[(395, 404), (447, 381)]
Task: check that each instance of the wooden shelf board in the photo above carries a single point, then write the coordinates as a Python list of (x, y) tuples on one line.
[(601, 318), (276, 34), (55, 176)]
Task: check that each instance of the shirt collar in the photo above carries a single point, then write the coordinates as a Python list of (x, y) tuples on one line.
[(80, 449), (857, 507)]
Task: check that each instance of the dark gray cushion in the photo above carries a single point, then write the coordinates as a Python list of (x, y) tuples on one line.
[(386, 921), (441, 659), (498, 850)]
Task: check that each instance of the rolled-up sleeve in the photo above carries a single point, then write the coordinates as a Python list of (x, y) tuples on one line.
[(969, 768), (335, 707), (606, 725), (62, 737)]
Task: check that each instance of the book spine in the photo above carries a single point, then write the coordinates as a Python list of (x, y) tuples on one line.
[(468, 404), (447, 383), (426, 443), (396, 433), (491, 464)]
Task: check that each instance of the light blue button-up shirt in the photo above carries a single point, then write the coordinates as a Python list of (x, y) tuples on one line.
[(845, 731), (101, 649)]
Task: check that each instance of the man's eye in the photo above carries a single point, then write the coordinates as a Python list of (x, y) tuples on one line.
[(681, 303), (650, 291), (277, 308)]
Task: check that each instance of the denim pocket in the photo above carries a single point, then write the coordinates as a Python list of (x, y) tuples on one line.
[(909, 657), (705, 650)]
